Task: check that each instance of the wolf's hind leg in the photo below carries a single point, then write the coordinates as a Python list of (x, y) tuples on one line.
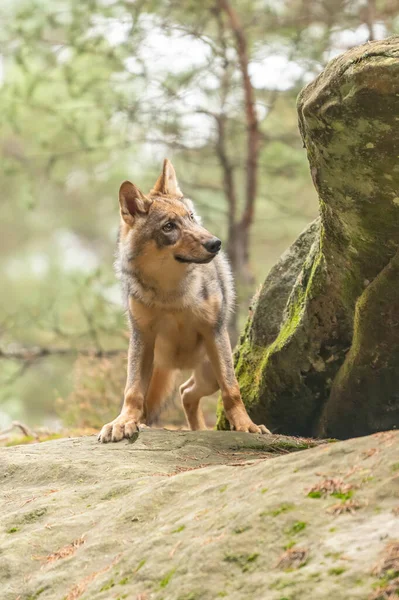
[(201, 383), (161, 387), (219, 352)]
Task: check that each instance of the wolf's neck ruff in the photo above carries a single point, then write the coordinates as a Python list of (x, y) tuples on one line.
[(161, 286)]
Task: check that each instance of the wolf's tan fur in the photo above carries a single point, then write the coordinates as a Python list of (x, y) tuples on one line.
[(179, 295)]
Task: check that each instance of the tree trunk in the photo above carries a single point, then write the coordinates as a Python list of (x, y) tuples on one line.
[(239, 230), (320, 352)]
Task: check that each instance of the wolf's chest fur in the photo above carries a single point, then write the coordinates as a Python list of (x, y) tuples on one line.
[(177, 334)]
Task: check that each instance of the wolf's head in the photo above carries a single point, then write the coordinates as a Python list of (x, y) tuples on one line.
[(162, 226)]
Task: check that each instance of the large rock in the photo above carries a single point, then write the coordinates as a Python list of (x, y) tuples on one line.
[(322, 371), (197, 516)]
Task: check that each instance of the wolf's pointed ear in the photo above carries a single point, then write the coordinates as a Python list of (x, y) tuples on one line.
[(167, 181), (132, 202)]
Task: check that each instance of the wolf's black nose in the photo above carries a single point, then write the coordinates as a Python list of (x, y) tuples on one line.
[(213, 245)]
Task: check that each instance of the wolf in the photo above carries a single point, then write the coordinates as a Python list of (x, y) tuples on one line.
[(178, 290)]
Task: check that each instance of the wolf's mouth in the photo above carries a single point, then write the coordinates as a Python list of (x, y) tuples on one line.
[(185, 259)]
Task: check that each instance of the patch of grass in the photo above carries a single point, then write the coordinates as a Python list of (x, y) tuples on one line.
[(179, 529), (282, 584), (343, 495), (283, 508), (108, 585), (336, 571), (264, 490), (289, 545), (297, 527), (243, 561), (395, 466), (335, 555), (36, 595), (30, 439), (332, 487), (12, 530), (314, 494), (166, 579), (34, 515), (223, 488), (140, 565), (115, 493), (222, 595), (19, 441), (368, 479), (241, 529), (127, 578)]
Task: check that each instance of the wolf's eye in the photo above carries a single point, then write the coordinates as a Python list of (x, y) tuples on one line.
[(168, 227)]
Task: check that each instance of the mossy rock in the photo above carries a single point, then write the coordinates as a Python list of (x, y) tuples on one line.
[(306, 363)]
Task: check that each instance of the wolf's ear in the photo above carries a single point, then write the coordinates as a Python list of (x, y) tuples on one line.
[(132, 202), (167, 181)]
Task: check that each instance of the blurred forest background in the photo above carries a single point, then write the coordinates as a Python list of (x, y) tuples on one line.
[(93, 92)]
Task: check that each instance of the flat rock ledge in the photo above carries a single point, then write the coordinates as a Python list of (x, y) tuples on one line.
[(198, 516)]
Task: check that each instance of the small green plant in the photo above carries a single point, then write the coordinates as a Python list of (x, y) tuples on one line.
[(289, 545), (165, 580), (297, 527), (283, 508), (34, 515), (140, 565), (336, 571), (108, 585), (242, 560), (241, 529), (179, 529), (343, 495), (314, 495)]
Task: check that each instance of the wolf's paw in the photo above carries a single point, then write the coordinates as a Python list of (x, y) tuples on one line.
[(248, 426), (252, 428), (123, 426), (259, 429)]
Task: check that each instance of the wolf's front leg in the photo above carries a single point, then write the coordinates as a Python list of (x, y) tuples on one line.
[(140, 362), (219, 352)]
